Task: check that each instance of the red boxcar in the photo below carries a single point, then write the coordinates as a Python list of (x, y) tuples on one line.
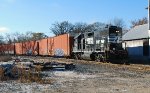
[(55, 46), (51, 46), (19, 48), (7, 49), (62, 45), (43, 47), (28, 47), (25, 48)]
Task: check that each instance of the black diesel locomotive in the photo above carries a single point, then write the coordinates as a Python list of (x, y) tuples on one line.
[(103, 45)]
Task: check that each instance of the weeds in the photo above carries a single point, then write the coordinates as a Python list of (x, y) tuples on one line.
[(1, 73), (25, 76), (32, 75), (5, 58)]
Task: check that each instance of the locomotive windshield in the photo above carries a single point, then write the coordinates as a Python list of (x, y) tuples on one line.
[(115, 34), (114, 31)]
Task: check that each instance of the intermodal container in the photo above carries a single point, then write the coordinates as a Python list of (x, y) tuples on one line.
[(62, 45), (43, 47), (18, 48)]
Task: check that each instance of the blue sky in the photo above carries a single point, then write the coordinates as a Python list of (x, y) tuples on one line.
[(38, 15)]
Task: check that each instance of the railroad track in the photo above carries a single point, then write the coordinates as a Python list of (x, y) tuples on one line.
[(135, 67)]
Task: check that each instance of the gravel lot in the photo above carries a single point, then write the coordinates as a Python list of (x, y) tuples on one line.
[(88, 77)]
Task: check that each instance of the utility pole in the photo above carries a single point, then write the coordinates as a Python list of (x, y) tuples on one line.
[(149, 15), (148, 8)]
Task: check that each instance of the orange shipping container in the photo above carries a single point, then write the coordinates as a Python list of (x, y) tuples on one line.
[(7, 49), (54, 46), (51, 46), (28, 47), (18, 48), (10, 48), (1, 49), (43, 47), (62, 45)]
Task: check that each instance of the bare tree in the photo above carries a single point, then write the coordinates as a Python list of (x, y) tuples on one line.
[(139, 22), (1, 39), (8, 38), (61, 28), (83, 27), (79, 27), (21, 37), (97, 26), (16, 37), (118, 22), (38, 36)]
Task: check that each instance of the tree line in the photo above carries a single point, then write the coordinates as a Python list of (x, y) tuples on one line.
[(59, 28), (21, 37), (66, 27)]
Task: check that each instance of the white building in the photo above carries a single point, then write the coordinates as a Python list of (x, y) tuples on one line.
[(137, 43)]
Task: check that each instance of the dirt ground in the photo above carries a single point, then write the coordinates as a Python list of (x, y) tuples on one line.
[(87, 77), (5, 58)]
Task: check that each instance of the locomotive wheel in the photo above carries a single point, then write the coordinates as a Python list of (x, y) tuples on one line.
[(125, 61), (99, 58), (77, 56), (93, 57)]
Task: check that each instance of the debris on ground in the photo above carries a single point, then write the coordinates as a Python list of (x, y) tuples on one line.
[(81, 77)]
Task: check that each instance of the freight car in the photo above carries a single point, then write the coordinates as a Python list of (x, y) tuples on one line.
[(102, 45), (58, 46), (7, 49)]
